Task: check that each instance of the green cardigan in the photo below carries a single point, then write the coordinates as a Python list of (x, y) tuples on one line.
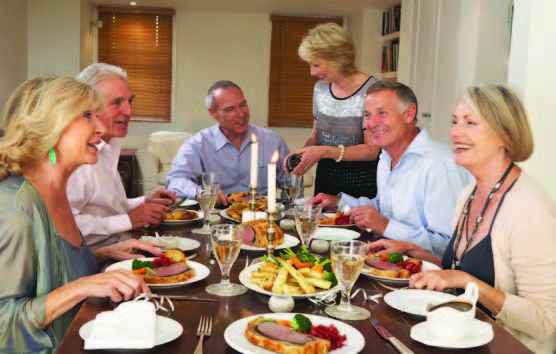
[(34, 260)]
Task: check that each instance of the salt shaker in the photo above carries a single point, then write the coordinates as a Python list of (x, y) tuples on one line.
[(281, 303)]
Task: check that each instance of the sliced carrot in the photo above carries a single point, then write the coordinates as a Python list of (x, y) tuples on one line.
[(140, 271), (284, 323), (317, 268), (297, 263), (383, 257)]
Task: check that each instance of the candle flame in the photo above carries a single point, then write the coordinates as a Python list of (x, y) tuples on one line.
[(253, 138), (274, 157)]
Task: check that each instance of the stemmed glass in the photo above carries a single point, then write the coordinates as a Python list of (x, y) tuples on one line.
[(307, 218), (206, 196), (211, 178), (294, 184), (226, 242), (347, 259)]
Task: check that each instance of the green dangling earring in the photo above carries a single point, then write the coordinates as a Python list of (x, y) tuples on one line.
[(52, 156)]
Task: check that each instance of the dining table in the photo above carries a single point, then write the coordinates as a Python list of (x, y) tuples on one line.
[(227, 310)]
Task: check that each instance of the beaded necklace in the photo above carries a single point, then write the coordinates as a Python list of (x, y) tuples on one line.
[(456, 263)]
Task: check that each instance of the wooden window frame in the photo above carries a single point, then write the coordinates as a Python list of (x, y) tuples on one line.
[(290, 92), (154, 74)]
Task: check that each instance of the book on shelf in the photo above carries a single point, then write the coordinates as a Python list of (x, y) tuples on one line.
[(391, 20)]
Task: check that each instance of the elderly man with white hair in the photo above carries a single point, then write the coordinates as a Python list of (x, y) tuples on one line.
[(96, 193)]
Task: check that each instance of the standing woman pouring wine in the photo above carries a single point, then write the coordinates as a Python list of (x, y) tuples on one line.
[(347, 159)]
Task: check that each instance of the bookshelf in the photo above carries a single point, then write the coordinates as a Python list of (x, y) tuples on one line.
[(391, 19)]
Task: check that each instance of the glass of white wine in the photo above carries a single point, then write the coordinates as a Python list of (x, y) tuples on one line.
[(211, 178), (307, 218), (226, 242), (294, 185), (347, 259), (206, 196)]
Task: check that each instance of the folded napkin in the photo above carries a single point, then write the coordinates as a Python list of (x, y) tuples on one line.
[(132, 325), (248, 215)]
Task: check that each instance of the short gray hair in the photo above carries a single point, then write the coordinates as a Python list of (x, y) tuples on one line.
[(220, 84), (97, 72), (405, 94)]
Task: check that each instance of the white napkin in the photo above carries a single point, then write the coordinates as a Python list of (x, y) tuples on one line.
[(247, 216), (132, 325)]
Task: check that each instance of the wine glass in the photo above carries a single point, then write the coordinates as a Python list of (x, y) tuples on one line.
[(307, 218), (211, 178), (206, 196), (226, 242), (347, 259), (294, 184)]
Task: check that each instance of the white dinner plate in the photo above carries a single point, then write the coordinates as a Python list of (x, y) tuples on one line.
[(415, 301), (335, 234), (289, 241), (184, 222), (366, 270), (245, 277), (189, 202), (167, 330), (201, 272), (184, 244), (331, 215), (223, 213), (234, 334), (479, 334)]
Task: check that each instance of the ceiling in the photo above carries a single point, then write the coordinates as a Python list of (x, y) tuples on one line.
[(292, 7)]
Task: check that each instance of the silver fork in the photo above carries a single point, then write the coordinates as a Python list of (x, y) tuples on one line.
[(205, 328), (344, 208)]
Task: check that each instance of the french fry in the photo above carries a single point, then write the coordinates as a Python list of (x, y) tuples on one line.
[(263, 275), (264, 283), (309, 273), (280, 281), (319, 283), (290, 290), (305, 286)]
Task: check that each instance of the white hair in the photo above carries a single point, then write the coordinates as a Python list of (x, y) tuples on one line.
[(97, 72)]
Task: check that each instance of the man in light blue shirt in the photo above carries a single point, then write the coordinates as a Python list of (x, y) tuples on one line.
[(418, 180), (225, 148)]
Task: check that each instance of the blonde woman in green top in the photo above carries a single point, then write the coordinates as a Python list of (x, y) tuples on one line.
[(47, 270)]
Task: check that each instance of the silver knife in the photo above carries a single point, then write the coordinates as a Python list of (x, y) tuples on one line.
[(388, 336), (182, 297), (176, 204)]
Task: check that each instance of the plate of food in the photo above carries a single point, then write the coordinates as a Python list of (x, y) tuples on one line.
[(233, 213), (293, 333), (300, 275), (335, 220), (184, 244), (182, 216), (415, 301), (255, 237), (171, 269), (394, 267)]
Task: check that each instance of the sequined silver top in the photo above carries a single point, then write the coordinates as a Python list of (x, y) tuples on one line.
[(339, 120)]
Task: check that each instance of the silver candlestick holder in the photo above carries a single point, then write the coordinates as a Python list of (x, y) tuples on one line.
[(272, 216), (253, 200)]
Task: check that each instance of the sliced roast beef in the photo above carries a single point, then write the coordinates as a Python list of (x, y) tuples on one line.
[(169, 271), (382, 265), (248, 235), (279, 332)]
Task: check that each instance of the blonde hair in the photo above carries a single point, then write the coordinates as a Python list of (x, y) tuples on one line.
[(329, 42), (505, 116), (37, 113)]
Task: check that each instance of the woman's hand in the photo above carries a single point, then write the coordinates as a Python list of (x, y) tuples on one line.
[(310, 155), (128, 250), (439, 280), (118, 285), (389, 246)]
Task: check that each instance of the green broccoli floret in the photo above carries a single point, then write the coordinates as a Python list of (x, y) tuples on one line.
[(138, 264), (331, 277), (395, 258), (301, 323), (305, 256), (287, 254)]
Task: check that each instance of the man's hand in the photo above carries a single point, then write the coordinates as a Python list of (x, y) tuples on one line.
[(310, 155), (221, 198), (147, 214), (367, 217), (161, 196), (325, 201)]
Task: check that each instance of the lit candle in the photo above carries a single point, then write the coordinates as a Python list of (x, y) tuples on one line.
[(272, 182), (254, 160)]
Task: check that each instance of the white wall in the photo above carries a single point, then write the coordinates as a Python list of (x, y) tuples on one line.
[(13, 60), (532, 74), (54, 37), (87, 34)]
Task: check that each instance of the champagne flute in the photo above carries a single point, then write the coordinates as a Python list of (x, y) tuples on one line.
[(294, 184), (307, 218), (211, 178), (226, 241), (206, 196), (347, 259)]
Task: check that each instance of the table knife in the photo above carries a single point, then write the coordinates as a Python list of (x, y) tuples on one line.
[(388, 336), (176, 204), (182, 297)]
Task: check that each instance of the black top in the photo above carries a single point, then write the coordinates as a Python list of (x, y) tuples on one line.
[(478, 261)]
